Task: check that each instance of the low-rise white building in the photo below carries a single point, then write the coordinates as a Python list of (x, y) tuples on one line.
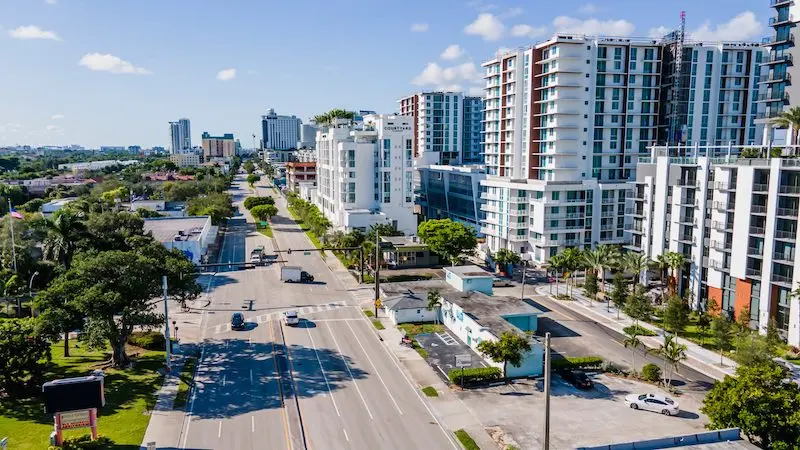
[(95, 165), (53, 206), (188, 159), (191, 235), (364, 173)]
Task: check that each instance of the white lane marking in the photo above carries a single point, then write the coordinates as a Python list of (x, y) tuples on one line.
[(219, 431), (345, 434), (253, 424), (347, 366), (388, 392), (324, 376)]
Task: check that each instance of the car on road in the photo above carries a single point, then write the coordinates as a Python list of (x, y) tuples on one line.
[(290, 318), (501, 282), (653, 402), (237, 321), (578, 379)]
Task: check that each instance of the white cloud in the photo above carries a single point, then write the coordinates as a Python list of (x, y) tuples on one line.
[(109, 63), (502, 51), (32, 32), (658, 32), (512, 12), (10, 127), (443, 77), (487, 26), (226, 75), (481, 6), (57, 117), (476, 91), (527, 31), (451, 88), (742, 27), (54, 129), (589, 9), (565, 24), (452, 52), (419, 27)]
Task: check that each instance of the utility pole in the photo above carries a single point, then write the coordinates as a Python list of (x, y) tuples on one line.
[(524, 269), (546, 434), (377, 271), (166, 323), (13, 245)]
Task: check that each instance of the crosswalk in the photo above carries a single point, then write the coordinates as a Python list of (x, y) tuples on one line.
[(263, 318)]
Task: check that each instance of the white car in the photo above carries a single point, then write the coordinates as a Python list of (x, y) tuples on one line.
[(653, 402), (290, 318)]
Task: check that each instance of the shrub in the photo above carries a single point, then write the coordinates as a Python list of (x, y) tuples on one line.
[(563, 297), (466, 440), (640, 330), (610, 367), (793, 352), (430, 391), (578, 362), (148, 340), (251, 202), (651, 373), (474, 375), (84, 442)]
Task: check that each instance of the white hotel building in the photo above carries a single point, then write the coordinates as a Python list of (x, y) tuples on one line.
[(364, 173), (565, 122)]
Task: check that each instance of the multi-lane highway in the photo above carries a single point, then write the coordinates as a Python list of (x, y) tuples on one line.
[(328, 383)]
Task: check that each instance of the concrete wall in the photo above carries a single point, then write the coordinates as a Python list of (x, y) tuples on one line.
[(480, 284), (411, 315)]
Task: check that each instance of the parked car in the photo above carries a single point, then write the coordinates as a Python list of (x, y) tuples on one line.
[(501, 282), (578, 379), (290, 318), (653, 402), (237, 321)]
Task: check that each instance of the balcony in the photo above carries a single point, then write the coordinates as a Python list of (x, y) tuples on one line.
[(773, 97), (607, 201), (758, 209), (783, 257), (725, 186), (518, 199), (517, 212), (688, 202), (490, 208), (489, 196), (608, 214), (753, 272), (717, 245), (774, 3), (638, 229), (719, 226), (775, 78), (775, 40), (778, 59), (778, 20), (788, 212), (687, 221), (758, 231), (782, 279), (755, 252), (760, 187), (572, 242), (608, 227), (723, 206), (785, 235), (517, 238), (794, 190), (717, 265), (687, 182), (686, 238)]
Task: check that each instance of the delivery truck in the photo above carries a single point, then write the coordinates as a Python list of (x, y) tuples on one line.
[(295, 274)]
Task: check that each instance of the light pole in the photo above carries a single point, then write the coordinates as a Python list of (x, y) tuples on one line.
[(524, 269), (30, 292), (546, 434), (377, 271), (166, 323)]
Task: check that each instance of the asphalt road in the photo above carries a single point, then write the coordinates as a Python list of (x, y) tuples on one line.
[(350, 392)]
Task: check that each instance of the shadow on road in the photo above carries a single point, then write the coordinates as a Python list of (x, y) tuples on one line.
[(556, 329)]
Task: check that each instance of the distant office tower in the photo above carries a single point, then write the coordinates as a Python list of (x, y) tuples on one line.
[(437, 119), (472, 124), (279, 132), (364, 173), (308, 136), (452, 192), (218, 146), (180, 133), (566, 120)]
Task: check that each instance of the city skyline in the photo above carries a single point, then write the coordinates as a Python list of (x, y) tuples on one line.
[(107, 83)]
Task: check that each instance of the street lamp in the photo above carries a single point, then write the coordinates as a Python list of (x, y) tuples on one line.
[(30, 283)]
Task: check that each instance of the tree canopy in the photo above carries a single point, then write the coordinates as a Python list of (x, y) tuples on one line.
[(510, 348), (447, 238), (24, 354), (264, 212), (217, 205)]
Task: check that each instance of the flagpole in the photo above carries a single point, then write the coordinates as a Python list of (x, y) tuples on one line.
[(13, 245)]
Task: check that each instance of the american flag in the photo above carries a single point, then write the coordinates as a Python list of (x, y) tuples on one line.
[(16, 215)]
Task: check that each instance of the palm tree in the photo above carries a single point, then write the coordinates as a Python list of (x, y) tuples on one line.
[(434, 303), (662, 263), (556, 262), (592, 260), (504, 257), (636, 263), (632, 341), (676, 262), (62, 235), (673, 353), (572, 263), (609, 258), (789, 119)]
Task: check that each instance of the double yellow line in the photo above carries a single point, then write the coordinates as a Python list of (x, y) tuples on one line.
[(280, 388)]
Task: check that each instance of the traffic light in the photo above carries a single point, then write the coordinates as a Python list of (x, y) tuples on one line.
[(289, 252)]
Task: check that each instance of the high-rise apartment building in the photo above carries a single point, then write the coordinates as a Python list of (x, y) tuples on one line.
[(308, 135), (452, 192), (735, 219), (472, 124), (566, 120), (279, 132), (218, 146), (778, 66), (364, 173), (180, 134), (441, 124)]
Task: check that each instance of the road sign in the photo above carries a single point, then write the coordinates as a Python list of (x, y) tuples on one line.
[(75, 419), (4, 443), (263, 224), (306, 253), (463, 361), (378, 303)]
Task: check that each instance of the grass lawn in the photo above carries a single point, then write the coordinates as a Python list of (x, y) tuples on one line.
[(307, 230), (378, 325), (692, 332), (130, 394), (187, 381), (430, 391), (266, 231), (413, 329), (466, 440), (369, 313), (640, 330)]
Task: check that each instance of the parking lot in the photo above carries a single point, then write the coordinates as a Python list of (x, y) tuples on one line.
[(442, 349), (578, 418)]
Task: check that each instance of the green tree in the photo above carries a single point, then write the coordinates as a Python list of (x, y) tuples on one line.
[(676, 317), (111, 231), (434, 303), (703, 323), (672, 353), (637, 306), (751, 349), (632, 341), (743, 319), (590, 284), (505, 257), (250, 202), (758, 401), (264, 212), (676, 261), (509, 349), (790, 119), (248, 166), (25, 355), (447, 238), (336, 113), (721, 335), (773, 338), (218, 206), (636, 263), (180, 191), (253, 179), (619, 292)]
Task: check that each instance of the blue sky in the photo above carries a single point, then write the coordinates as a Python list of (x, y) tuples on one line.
[(114, 72)]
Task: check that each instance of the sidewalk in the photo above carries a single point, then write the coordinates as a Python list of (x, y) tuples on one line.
[(166, 424), (698, 358)]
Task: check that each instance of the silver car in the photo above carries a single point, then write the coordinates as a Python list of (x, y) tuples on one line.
[(653, 402)]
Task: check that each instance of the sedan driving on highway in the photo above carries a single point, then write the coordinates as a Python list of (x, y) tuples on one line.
[(653, 402)]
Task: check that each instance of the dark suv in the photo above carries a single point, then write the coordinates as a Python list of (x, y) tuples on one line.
[(237, 321), (577, 379)]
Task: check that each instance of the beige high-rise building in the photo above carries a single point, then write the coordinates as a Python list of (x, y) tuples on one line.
[(218, 146)]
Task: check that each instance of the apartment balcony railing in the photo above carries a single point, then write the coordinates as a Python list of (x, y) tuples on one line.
[(574, 242), (687, 220), (783, 279), (517, 237), (758, 209), (787, 257), (760, 187), (717, 265), (787, 212), (779, 59), (608, 226), (574, 215), (774, 40), (687, 182), (725, 186), (517, 212), (720, 226), (721, 246), (775, 78), (607, 201), (789, 189), (723, 206), (785, 235), (489, 196), (752, 272), (518, 199), (757, 230), (755, 252), (773, 97), (778, 20), (608, 214), (634, 228), (689, 202), (576, 200)]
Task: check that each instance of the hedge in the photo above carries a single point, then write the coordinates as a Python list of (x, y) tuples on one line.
[(651, 373), (148, 340), (579, 362), (84, 442), (474, 375), (640, 330)]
